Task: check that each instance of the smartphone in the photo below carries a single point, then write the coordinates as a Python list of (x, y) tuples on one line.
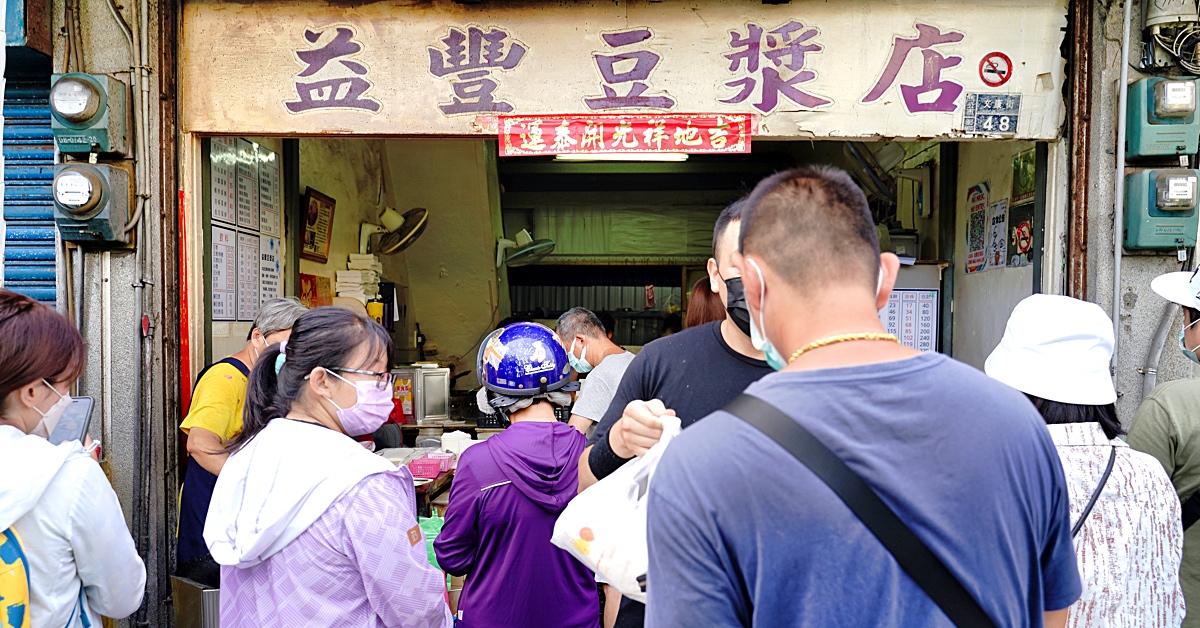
[(74, 422)]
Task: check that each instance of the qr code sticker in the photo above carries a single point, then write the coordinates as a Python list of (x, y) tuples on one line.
[(977, 231)]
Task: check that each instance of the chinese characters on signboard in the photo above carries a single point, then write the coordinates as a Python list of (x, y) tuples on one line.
[(634, 133), (783, 48), (347, 87), (625, 45), (933, 62), (769, 65), (469, 59)]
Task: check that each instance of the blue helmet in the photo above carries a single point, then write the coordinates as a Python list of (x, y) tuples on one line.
[(523, 359)]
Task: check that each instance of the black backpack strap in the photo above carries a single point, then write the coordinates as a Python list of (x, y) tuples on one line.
[(915, 558), (1087, 510), (1191, 510), (234, 362)]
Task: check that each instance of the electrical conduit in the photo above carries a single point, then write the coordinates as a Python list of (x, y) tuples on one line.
[(1119, 186)]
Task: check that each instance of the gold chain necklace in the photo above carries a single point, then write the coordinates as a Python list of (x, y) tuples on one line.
[(832, 340)]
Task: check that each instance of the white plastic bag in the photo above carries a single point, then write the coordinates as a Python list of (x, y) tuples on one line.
[(605, 526)]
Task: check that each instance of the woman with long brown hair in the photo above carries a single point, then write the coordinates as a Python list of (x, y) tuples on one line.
[(57, 509), (704, 305)]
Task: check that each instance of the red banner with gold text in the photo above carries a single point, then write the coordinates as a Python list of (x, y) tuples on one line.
[(620, 133)]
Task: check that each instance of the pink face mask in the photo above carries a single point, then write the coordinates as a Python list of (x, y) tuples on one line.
[(369, 412)]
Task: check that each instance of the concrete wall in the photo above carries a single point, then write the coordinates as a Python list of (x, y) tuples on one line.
[(984, 300), (139, 438), (453, 283), (1140, 308)]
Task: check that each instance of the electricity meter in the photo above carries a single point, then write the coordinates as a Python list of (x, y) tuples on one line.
[(1160, 209), (88, 114), (1161, 118), (91, 202)]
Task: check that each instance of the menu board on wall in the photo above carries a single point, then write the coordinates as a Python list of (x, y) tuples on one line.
[(248, 276), (246, 260), (224, 274), (912, 316), (268, 194), (269, 268), (222, 157), (247, 186)]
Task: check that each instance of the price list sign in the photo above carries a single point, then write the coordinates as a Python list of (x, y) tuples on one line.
[(912, 315), (222, 179), (247, 276), (247, 186), (268, 195), (224, 274)]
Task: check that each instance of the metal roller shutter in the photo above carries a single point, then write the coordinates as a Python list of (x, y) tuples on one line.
[(29, 251)]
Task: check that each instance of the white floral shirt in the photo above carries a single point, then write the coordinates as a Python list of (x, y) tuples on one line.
[(1130, 547)]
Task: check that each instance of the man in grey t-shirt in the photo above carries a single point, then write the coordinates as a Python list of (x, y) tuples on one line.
[(590, 351)]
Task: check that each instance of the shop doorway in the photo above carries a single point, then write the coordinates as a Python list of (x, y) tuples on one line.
[(629, 238)]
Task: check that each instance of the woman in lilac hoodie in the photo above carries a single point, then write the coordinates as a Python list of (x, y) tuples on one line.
[(509, 490), (311, 529)]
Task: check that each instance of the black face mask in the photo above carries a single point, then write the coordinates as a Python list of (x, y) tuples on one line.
[(735, 304)]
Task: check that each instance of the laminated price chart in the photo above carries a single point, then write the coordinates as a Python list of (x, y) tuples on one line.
[(912, 315)]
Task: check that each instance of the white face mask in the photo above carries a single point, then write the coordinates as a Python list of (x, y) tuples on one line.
[(255, 350), (50, 418)]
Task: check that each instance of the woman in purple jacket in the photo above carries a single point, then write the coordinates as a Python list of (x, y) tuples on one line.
[(509, 490)]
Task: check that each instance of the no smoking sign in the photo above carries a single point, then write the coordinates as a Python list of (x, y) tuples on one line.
[(995, 69), (1023, 237)]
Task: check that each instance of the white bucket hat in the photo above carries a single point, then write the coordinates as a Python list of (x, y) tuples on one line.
[(1180, 287), (1057, 348)]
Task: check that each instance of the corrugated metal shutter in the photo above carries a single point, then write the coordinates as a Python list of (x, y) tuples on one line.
[(29, 265)]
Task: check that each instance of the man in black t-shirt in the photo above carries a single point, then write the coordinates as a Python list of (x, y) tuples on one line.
[(692, 373)]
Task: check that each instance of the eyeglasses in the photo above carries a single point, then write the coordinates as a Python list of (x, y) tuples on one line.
[(382, 380)]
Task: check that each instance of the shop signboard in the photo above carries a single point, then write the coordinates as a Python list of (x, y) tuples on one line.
[(619, 133), (868, 69)]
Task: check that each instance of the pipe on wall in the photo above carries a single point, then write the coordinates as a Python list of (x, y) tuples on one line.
[(1119, 184), (1150, 370), (1080, 128)]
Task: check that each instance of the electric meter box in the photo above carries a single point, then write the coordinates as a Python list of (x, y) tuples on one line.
[(1160, 209), (91, 202), (88, 114), (1162, 119)]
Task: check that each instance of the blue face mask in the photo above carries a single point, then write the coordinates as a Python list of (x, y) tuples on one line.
[(580, 364), (757, 338), (1188, 353)]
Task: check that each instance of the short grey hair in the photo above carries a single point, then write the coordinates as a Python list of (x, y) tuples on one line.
[(278, 314), (579, 321)]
